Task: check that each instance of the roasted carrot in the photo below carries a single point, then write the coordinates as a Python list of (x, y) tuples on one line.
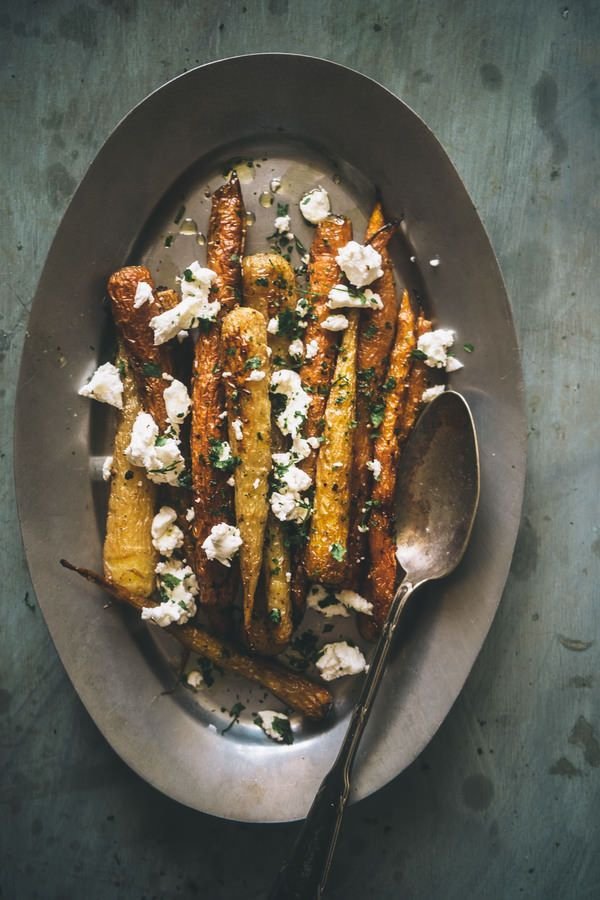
[(323, 274), (148, 362), (301, 694), (382, 572), (212, 496), (377, 329)]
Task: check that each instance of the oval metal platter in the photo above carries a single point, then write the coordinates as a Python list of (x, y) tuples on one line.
[(306, 122)]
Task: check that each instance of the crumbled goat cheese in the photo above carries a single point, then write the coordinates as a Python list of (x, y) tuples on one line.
[(160, 456), (375, 467), (431, 393), (325, 602), (337, 603), (195, 679), (266, 718), (335, 323), (178, 587), (143, 292), (190, 514), (352, 600), (342, 296), (177, 402), (282, 225), (360, 263), (221, 452), (166, 536), (315, 205), (166, 377), (107, 468), (288, 383), (453, 364), (435, 346), (286, 507), (194, 305), (105, 385), (434, 262), (238, 429), (223, 543), (256, 375), (296, 348), (231, 481), (182, 335), (340, 659), (312, 348), (273, 325)]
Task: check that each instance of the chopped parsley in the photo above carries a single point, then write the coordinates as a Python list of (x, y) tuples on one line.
[(262, 282), (188, 274), (151, 370), (275, 615), (338, 551), (220, 456), (234, 712), (253, 362), (418, 354), (468, 348), (376, 414)]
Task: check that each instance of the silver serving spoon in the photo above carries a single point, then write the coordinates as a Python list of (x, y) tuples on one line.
[(436, 501)]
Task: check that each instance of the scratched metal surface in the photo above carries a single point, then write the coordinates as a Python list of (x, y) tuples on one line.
[(504, 801)]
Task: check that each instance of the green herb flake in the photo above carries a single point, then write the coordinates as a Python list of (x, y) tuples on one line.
[(262, 282), (418, 354), (253, 362), (128, 475), (283, 728), (169, 240), (188, 275), (468, 348), (170, 581), (376, 414), (151, 370), (389, 384), (275, 615), (282, 209), (338, 551), (234, 712)]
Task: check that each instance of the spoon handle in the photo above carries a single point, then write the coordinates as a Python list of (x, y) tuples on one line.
[(304, 875)]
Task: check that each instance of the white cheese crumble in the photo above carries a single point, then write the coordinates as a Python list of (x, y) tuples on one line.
[(223, 543), (342, 296), (221, 452), (360, 263), (434, 262), (105, 385), (435, 346), (282, 225), (315, 205), (166, 377), (266, 717), (177, 402), (288, 383), (159, 455), (194, 305), (195, 679), (312, 348), (296, 348), (107, 468), (375, 467), (143, 292), (337, 603), (256, 375), (431, 393), (273, 325), (352, 600), (335, 323), (238, 429), (190, 514), (166, 535), (178, 587), (340, 659), (325, 602)]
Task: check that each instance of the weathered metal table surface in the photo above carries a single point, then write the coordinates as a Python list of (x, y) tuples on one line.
[(504, 801)]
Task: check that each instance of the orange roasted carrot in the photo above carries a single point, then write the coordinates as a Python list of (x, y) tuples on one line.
[(148, 362), (375, 338), (212, 496)]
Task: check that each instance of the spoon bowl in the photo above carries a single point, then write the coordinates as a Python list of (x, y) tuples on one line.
[(437, 490)]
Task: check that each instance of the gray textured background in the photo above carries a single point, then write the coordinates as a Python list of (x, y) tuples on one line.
[(504, 802)]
